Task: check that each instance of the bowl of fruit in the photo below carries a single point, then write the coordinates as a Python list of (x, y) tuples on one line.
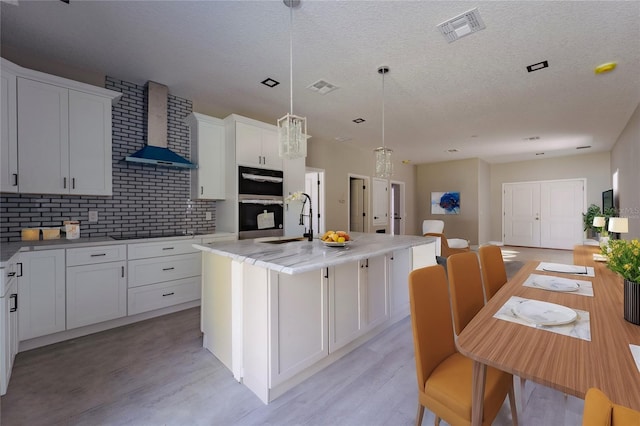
[(335, 239)]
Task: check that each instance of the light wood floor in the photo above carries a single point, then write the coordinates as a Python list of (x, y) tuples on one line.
[(157, 373)]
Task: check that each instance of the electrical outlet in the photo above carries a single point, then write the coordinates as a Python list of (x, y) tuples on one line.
[(208, 215), (93, 215)]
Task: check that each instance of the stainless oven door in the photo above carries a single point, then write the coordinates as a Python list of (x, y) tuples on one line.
[(260, 182), (260, 217)]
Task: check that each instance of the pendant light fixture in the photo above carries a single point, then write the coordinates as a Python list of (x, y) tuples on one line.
[(292, 129), (384, 165)]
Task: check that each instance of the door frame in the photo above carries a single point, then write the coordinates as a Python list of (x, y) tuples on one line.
[(367, 204), (584, 195), (402, 190), (319, 203)]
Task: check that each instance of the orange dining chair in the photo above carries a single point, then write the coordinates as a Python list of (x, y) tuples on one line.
[(465, 284), (494, 274), (600, 411), (444, 375)]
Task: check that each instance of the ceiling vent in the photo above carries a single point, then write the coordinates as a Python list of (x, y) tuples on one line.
[(322, 87), (462, 25)]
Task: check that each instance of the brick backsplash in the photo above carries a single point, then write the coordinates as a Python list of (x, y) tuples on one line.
[(146, 199)]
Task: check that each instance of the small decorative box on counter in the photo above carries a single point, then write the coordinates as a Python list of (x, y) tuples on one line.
[(72, 229), (30, 234), (50, 233)]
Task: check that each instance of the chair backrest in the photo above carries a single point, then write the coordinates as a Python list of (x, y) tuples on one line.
[(494, 274), (444, 246), (600, 411), (436, 226), (465, 284), (430, 320)]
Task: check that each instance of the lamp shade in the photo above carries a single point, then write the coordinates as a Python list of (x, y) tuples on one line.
[(618, 224), (598, 221)]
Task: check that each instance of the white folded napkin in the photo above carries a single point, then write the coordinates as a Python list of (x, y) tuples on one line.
[(635, 351)]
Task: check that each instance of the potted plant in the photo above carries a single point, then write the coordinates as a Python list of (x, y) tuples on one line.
[(624, 259), (592, 211)]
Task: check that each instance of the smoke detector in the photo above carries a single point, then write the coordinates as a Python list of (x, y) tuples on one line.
[(322, 87), (462, 25)]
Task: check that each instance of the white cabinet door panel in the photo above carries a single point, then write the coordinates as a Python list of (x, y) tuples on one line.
[(399, 269), (376, 306), (345, 324), (161, 269), (41, 293), (96, 293), (380, 202), (162, 248), (89, 144), (43, 132), (156, 296), (9, 134)]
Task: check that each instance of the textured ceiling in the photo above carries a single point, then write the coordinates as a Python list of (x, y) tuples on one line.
[(473, 95)]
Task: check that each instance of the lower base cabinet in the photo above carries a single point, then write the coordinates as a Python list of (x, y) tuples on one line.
[(96, 293), (155, 296), (8, 333)]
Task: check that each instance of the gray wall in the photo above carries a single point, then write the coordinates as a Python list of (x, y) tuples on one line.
[(484, 202), (145, 198), (625, 157)]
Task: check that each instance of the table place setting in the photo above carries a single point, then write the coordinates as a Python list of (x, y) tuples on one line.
[(585, 271), (546, 316), (559, 284)]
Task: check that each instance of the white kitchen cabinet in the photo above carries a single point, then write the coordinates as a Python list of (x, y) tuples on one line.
[(399, 269), (163, 274), (257, 145), (8, 323), (208, 151), (96, 288), (373, 278), (8, 131), (298, 323), (380, 202), (64, 142), (345, 323), (294, 181), (41, 293)]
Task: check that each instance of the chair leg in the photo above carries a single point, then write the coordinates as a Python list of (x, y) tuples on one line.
[(437, 421), (512, 403), (420, 414), (523, 398)]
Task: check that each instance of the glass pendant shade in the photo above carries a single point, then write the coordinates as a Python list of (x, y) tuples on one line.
[(292, 135), (384, 165)]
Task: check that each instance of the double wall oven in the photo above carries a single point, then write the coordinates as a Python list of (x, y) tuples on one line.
[(261, 204)]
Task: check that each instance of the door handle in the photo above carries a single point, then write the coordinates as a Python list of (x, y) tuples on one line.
[(201, 190), (14, 296), (73, 183), (168, 269), (64, 182), (122, 271), (20, 264), (15, 179)]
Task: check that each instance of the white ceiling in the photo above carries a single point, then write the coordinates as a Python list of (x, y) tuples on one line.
[(474, 94)]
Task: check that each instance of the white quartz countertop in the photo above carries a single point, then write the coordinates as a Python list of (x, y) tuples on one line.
[(7, 250), (304, 256)]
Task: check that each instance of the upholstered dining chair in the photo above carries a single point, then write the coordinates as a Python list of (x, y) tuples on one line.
[(600, 411), (444, 375), (445, 249), (465, 286), (494, 274)]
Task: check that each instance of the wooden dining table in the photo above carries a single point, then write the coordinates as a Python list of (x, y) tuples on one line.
[(568, 364)]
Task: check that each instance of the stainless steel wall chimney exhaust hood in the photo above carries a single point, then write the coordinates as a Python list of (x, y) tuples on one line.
[(156, 151)]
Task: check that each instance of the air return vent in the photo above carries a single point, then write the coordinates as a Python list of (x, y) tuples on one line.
[(462, 25), (322, 87)]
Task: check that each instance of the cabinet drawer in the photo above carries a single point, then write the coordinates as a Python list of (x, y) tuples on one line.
[(162, 248), (156, 296), (100, 254), (161, 269)]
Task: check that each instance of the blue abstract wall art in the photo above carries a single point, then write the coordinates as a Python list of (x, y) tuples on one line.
[(445, 203)]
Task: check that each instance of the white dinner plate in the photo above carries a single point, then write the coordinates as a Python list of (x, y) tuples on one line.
[(556, 283), (335, 244), (544, 313)]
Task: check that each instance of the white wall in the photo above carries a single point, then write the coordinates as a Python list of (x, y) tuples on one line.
[(625, 157)]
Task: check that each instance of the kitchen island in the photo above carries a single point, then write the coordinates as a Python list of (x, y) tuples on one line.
[(276, 313)]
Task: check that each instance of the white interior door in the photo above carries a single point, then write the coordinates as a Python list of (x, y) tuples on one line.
[(561, 204), (521, 207), (356, 205)]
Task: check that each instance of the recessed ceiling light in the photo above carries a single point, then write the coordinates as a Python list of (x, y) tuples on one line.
[(461, 25), (269, 82), (322, 87), (539, 153), (605, 68), (538, 66), (453, 150), (583, 147), (359, 120), (342, 138)]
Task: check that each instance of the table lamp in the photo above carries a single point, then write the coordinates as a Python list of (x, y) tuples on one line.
[(618, 224), (599, 222)]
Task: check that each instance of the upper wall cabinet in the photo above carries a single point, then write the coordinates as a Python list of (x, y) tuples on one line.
[(63, 135), (8, 127), (257, 144), (208, 151)]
